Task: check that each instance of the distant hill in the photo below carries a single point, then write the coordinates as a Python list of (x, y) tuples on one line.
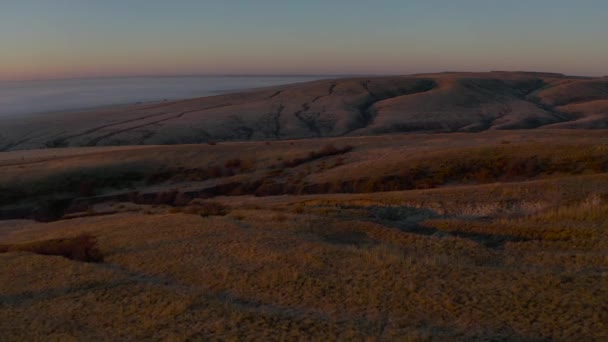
[(444, 102)]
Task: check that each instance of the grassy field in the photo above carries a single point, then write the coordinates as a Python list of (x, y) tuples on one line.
[(502, 236)]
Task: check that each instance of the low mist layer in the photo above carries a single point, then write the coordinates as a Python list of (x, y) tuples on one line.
[(25, 97)]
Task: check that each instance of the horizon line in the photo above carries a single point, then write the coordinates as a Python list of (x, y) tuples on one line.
[(193, 75)]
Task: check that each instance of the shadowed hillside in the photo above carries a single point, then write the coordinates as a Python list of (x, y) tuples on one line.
[(447, 102), (50, 183)]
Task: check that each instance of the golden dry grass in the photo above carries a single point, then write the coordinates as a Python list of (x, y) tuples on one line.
[(330, 267), (510, 244)]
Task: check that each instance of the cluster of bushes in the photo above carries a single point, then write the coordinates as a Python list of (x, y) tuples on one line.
[(80, 183), (80, 248), (504, 164), (460, 166), (211, 209), (230, 168), (326, 151), (431, 174), (9, 195), (187, 174), (88, 183), (465, 166), (56, 143), (204, 209), (239, 164)]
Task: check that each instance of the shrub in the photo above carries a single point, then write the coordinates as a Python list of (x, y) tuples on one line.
[(181, 199), (280, 218), (51, 210), (159, 177), (233, 163), (238, 217), (212, 209), (56, 143), (269, 188), (165, 197), (326, 151), (239, 164), (81, 248), (86, 189)]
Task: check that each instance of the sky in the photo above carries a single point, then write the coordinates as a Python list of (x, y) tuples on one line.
[(48, 39)]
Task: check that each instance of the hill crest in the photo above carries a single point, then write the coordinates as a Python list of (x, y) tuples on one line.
[(443, 102)]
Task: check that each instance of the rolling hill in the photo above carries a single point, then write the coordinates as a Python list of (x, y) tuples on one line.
[(445, 102)]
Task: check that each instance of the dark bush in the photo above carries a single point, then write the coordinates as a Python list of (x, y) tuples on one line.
[(326, 151), (51, 210), (233, 163), (86, 189), (270, 189), (81, 248), (165, 197), (212, 209), (181, 199), (159, 177)]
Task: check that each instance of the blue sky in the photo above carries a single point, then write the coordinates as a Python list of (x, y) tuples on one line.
[(78, 38)]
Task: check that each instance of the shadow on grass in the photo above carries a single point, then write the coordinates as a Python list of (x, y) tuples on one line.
[(409, 219), (348, 238)]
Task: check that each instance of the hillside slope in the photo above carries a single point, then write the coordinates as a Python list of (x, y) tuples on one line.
[(447, 102), (494, 236)]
